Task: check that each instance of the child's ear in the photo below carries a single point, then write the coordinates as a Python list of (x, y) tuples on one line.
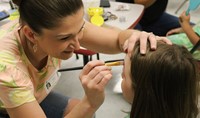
[(30, 35)]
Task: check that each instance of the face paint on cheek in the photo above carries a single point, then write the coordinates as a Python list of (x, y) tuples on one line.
[(123, 85), (123, 71)]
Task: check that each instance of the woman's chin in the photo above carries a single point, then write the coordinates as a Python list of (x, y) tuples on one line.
[(66, 56)]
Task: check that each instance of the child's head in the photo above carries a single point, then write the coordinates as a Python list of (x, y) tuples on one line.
[(162, 83)]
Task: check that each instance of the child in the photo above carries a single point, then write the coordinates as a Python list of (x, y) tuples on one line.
[(187, 35), (186, 28), (161, 83)]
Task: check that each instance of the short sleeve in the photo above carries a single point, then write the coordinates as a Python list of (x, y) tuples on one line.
[(16, 87), (8, 27)]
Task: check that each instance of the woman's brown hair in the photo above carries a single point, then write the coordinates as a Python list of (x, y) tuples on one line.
[(47, 14)]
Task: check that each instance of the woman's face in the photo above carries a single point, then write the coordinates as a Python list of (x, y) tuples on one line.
[(61, 42), (126, 84)]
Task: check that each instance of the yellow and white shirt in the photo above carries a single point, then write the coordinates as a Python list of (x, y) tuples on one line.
[(20, 81)]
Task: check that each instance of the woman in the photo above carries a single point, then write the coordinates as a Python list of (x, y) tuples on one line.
[(32, 51)]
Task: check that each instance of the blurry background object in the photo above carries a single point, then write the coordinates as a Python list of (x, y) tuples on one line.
[(181, 5), (193, 5), (95, 14)]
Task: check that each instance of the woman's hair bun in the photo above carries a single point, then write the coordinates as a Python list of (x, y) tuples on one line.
[(17, 2)]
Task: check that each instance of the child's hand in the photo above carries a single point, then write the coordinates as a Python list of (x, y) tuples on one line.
[(183, 18), (175, 31), (94, 77)]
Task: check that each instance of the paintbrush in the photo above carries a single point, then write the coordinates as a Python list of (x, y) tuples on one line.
[(115, 63)]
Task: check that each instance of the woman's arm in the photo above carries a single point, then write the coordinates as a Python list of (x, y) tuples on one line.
[(82, 110), (94, 77), (94, 38), (27, 110), (110, 41)]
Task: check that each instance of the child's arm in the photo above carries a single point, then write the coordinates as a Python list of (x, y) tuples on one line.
[(187, 28)]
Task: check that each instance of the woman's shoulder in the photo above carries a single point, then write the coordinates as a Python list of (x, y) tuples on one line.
[(15, 85), (11, 55), (12, 65), (9, 27)]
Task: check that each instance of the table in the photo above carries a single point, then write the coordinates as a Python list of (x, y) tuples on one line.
[(132, 16), (4, 6)]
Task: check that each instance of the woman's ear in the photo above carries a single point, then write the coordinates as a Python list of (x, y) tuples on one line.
[(30, 35)]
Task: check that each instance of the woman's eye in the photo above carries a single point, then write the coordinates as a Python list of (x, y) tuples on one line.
[(65, 38)]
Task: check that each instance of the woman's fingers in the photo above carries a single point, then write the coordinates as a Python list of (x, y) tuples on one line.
[(130, 42), (97, 70), (164, 39), (143, 37), (89, 66), (105, 80), (152, 39), (95, 74), (101, 77), (143, 42)]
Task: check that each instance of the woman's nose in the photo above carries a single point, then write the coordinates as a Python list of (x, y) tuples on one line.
[(76, 43)]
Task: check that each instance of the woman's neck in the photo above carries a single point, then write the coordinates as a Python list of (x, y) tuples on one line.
[(37, 59)]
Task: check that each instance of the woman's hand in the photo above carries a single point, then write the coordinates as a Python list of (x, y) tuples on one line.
[(94, 77), (143, 37)]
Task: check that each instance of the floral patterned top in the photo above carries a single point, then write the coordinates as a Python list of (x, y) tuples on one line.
[(20, 81)]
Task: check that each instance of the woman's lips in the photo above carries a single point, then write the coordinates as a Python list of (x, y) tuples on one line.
[(70, 51)]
